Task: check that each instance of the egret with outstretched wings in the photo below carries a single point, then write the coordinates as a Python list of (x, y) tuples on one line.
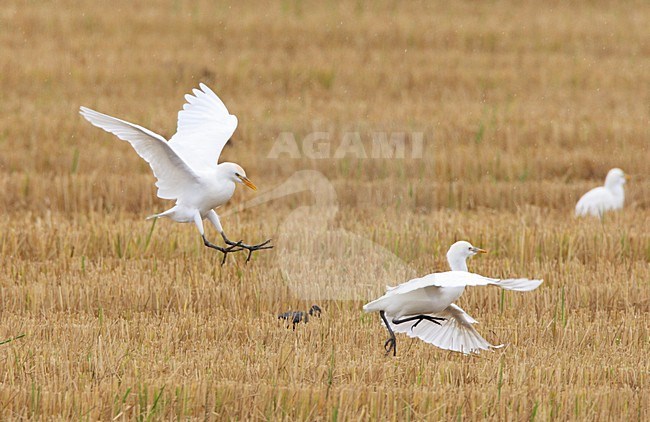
[(427, 303), (186, 167)]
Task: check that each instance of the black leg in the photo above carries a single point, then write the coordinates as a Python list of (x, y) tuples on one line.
[(419, 319), (250, 248), (224, 251), (391, 343)]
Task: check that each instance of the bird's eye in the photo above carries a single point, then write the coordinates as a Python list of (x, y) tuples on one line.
[(470, 248), (237, 174)]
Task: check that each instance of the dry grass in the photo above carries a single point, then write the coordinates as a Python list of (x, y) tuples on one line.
[(523, 109)]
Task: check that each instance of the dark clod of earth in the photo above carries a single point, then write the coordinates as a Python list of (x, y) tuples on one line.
[(296, 316)]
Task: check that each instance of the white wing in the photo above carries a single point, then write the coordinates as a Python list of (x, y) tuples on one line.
[(204, 128), (456, 333), (460, 279), (174, 176), (595, 202)]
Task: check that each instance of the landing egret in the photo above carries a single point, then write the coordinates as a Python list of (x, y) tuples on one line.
[(604, 198), (186, 167), (430, 298)]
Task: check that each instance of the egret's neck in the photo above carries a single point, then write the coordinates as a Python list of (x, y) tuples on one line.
[(457, 263), (221, 170), (616, 190)]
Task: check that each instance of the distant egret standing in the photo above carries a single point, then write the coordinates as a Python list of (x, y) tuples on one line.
[(609, 197)]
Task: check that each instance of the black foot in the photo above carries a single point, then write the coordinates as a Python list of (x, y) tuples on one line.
[(419, 319), (225, 251), (391, 345), (249, 248)]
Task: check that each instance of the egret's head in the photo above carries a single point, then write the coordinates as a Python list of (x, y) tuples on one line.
[(615, 177), (462, 250), (237, 174)]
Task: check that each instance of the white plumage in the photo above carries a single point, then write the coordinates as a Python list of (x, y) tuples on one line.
[(186, 167), (456, 333), (432, 296), (174, 176), (605, 198), (204, 127)]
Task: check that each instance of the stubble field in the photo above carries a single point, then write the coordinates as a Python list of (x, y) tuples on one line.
[(522, 109)]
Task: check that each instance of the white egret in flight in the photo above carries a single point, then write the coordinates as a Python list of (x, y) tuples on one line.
[(430, 299), (186, 167), (604, 198)]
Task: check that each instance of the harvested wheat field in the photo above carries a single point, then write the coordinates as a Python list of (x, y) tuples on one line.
[(510, 112)]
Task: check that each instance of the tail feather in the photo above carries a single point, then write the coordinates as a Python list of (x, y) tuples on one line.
[(162, 214), (373, 306)]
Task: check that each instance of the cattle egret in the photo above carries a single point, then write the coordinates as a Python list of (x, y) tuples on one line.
[(186, 167), (430, 298), (604, 198)]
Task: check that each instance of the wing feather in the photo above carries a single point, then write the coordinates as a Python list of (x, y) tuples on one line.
[(204, 128), (460, 279), (173, 174), (456, 333)]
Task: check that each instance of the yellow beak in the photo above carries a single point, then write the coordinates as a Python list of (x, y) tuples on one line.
[(627, 177), (247, 182), (479, 250)]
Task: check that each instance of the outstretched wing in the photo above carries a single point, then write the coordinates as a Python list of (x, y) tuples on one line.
[(461, 279), (204, 128), (174, 176), (455, 333)]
